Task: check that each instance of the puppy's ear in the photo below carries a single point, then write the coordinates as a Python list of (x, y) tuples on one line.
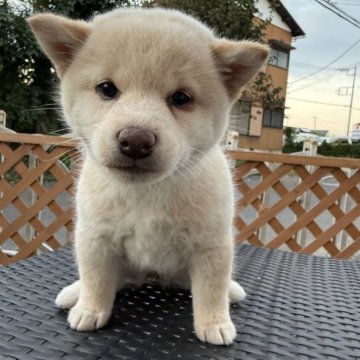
[(238, 62), (59, 37)]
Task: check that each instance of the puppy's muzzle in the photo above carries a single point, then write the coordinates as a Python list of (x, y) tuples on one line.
[(136, 143)]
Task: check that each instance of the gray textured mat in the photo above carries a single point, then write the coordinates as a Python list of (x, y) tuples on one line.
[(298, 307)]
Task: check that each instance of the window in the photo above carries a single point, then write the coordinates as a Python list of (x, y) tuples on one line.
[(273, 118), (279, 58), (240, 117)]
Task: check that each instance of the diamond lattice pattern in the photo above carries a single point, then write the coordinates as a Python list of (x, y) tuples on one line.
[(32, 178), (306, 208)]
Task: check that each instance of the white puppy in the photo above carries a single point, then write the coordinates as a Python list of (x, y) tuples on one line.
[(148, 92)]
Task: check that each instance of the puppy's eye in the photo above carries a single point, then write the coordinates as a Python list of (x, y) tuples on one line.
[(180, 98), (107, 90)]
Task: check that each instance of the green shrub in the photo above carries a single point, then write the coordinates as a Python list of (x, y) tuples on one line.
[(340, 150), (292, 147)]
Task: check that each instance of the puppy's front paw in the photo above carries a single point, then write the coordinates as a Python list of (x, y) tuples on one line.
[(219, 334), (68, 296), (82, 319)]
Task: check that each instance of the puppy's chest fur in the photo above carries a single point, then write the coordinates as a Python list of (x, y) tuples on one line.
[(151, 244), (155, 245), (156, 228)]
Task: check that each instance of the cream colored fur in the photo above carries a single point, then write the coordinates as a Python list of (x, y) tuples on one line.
[(174, 219)]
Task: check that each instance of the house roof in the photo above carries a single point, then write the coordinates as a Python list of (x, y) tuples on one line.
[(289, 20)]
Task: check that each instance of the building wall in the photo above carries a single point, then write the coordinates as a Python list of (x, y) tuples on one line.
[(279, 75), (276, 32), (269, 139), (252, 132), (266, 12)]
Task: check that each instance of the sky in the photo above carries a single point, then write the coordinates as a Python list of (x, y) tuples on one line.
[(327, 37)]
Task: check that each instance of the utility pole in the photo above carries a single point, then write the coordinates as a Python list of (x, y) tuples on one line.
[(345, 91), (351, 100), (315, 118)]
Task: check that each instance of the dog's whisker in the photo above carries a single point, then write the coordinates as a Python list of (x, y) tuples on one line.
[(64, 154), (41, 109), (65, 130)]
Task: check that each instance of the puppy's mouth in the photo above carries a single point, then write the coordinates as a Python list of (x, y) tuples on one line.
[(135, 170), (138, 174)]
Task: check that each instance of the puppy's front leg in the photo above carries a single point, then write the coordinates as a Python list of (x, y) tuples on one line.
[(99, 270), (210, 279)]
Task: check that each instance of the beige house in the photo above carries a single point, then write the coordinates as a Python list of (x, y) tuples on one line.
[(259, 128)]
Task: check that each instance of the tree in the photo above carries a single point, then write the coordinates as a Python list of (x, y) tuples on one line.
[(27, 80), (21, 88), (77, 9), (234, 19), (262, 91), (290, 145)]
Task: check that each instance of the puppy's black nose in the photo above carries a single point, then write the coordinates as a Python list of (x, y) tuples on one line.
[(136, 143)]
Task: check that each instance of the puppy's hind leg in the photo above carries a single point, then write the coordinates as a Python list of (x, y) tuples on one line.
[(236, 292), (68, 296)]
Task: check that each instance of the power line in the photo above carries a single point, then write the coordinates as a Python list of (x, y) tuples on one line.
[(334, 5), (291, 91), (321, 103), (305, 64), (329, 64), (334, 122), (318, 102), (309, 118), (349, 4), (330, 6)]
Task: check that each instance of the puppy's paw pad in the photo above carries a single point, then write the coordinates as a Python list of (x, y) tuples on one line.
[(236, 292), (82, 319), (68, 296), (217, 334)]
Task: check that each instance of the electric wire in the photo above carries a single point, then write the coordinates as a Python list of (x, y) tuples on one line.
[(328, 65), (339, 12), (321, 103)]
